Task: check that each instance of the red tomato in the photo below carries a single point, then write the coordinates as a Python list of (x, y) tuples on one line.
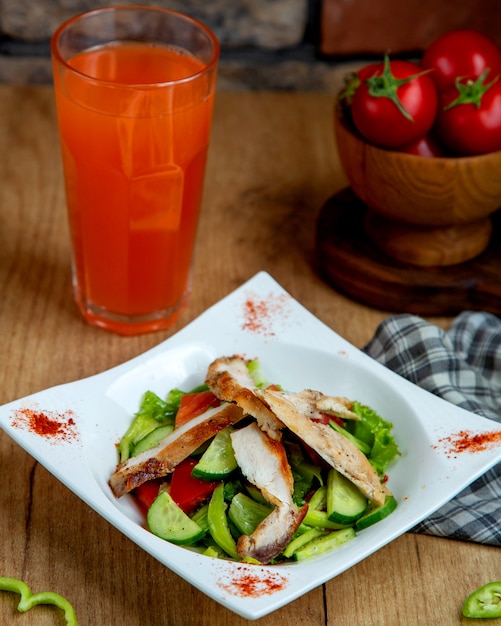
[(426, 146), (146, 493), (194, 404), (326, 418), (465, 128), (460, 54), (273, 388), (396, 105), (353, 80), (187, 491)]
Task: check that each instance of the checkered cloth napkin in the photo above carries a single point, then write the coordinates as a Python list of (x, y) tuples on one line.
[(463, 366)]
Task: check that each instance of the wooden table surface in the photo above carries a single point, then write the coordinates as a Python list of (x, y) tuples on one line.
[(272, 165)]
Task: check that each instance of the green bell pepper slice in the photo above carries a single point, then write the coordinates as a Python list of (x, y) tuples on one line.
[(29, 600), (218, 523), (484, 602)]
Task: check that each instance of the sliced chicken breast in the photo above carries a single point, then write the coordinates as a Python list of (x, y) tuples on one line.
[(179, 444), (263, 462), (295, 411), (228, 378), (339, 407), (314, 404)]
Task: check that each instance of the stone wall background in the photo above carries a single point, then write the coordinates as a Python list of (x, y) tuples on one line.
[(265, 44)]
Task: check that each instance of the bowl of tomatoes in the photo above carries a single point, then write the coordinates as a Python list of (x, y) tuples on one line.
[(420, 143)]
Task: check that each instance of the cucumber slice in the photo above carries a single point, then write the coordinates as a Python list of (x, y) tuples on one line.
[(246, 513), (152, 439), (218, 461), (168, 521), (201, 517), (345, 502), (320, 519), (324, 543), (318, 501), (376, 514), (302, 540)]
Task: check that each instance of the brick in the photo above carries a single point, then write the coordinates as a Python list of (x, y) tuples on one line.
[(361, 27)]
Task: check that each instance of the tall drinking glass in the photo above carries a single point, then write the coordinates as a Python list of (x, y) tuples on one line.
[(134, 90)]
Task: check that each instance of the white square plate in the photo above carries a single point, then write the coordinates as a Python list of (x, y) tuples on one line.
[(297, 351)]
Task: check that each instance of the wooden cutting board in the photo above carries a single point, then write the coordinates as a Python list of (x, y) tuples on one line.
[(349, 261)]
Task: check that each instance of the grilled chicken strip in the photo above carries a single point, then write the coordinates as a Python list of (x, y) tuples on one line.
[(339, 407), (263, 462), (295, 411), (174, 448), (228, 378), (314, 404)]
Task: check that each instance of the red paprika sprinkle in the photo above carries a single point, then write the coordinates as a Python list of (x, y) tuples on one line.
[(49, 424), (248, 584), (259, 314), (466, 441)]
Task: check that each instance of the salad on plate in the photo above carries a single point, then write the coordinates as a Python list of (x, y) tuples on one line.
[(241, 469)]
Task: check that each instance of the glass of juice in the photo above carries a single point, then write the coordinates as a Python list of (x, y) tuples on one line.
[(134, 89)]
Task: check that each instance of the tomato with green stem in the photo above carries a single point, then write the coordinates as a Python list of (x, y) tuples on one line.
[(352, 81), (395, 105), (469, 117), (464, 53)]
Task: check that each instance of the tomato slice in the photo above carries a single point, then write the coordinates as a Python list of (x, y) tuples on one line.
[(146, 493), (325, 418), (187, 491), (194, 404), (273, 388)]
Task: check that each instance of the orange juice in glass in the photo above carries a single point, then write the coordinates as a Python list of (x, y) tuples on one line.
[(134, 90)]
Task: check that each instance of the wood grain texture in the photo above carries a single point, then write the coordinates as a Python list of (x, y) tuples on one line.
[(417, 190), (426, 211), (272, 165), (351, 262), (427, 247)]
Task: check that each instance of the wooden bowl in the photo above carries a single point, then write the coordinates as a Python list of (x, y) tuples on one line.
[(422, 210)]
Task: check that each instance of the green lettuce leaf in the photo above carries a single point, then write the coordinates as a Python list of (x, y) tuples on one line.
[(376, 432), (153, 412)]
